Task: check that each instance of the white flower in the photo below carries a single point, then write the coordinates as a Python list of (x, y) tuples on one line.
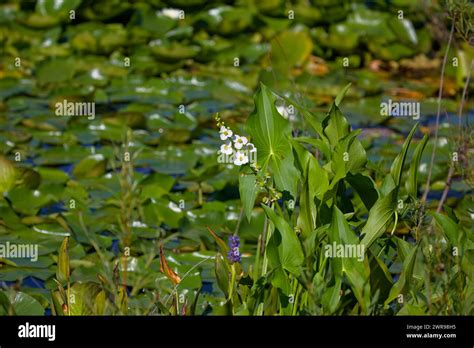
[(226, 148), (240, 158), (239, 142), (225, 133), (251, 147)]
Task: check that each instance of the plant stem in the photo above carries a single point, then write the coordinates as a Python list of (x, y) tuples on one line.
[(264, 247), (461, 136), (256, 267), (438, 112), (298, 298), (295, 296), (176, 299), (446, 187), (68, 297), (265, 238), (200, 201), (237, 227)]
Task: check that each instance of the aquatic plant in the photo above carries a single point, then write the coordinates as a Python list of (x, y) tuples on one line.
[(313, 202)]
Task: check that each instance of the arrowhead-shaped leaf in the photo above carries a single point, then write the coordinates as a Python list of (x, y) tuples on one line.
[(270, 134)]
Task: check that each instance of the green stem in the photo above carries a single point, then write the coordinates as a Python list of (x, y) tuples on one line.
[(177, 302), (256, 267), (297, 296), (68, 297), (266, 238), (200, 195), (395, 224)]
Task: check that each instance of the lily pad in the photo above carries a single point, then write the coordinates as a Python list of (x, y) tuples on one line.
[(90, 167), (55, 70)]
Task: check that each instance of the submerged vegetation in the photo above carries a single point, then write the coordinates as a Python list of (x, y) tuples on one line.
[(132, 162)]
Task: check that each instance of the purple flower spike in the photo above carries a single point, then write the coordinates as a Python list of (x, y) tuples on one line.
[(234, 254)]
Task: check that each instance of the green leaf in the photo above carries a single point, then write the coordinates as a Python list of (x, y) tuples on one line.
[(365, 188), (357, 157), (6, 307), (222, 274), (56, 8), (405, 31), (403, 283), (337, 126), (332, 296), (290, 49), (90, 167), (269, 130), (404, 248), (248, 191), (28, 178), (55, 70), (155, 22), (63, 271), (380, 217), (317, 179), (101, 303), (313, 121), (317, 143), (84, 295), (156, 185), (344, 159), (270, 134), (224, 248), (451, 230), (356, 270), (285, 174), (380, 277), (387, 186), (397, 166), (411, 310), (412, 182), (307, 214), (302, 157), (7, 174), (315, 184), (342, 94), (57, 300), (289, 251), (24, 304)]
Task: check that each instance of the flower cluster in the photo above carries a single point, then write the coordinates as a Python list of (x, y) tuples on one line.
[(237, 147), (234, 254)]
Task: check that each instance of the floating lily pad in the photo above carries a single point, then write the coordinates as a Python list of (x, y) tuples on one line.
[(290, 49), (90, 167), (7, 174), (23, 304), (171, 51), (56, 70)]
